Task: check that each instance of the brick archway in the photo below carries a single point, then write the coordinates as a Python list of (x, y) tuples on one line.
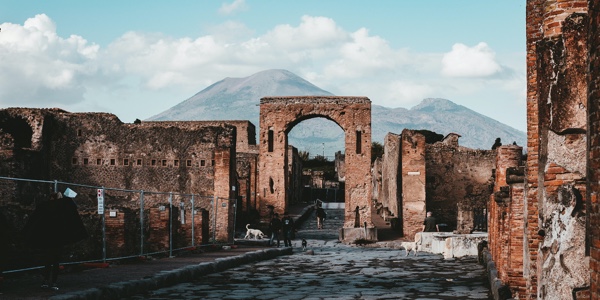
[(278, 115)]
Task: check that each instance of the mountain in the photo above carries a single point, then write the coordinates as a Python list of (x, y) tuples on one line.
[(239, 98)]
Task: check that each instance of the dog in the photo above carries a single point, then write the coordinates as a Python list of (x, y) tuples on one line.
[(256, 233), (304, 244), (412, 246)]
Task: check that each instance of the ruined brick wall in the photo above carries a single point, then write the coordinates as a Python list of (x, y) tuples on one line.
[(412, 181), (97, 149), (458, 178), (245, 133), (391, 189), (593, 188)]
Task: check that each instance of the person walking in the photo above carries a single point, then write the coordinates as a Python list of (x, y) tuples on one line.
[(275, 226), (321, 214), (54, 224), (288, 229), (430, 224)]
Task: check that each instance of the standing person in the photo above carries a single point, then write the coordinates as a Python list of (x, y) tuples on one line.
[(54, 224), (288, 228), (275, 226), (321, 214), (430, 223)]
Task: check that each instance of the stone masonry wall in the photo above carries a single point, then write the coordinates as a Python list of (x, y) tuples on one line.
[(97, 149), (458, 178)]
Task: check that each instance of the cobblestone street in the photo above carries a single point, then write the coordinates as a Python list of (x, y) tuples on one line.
[(340, 272), (337, 271)]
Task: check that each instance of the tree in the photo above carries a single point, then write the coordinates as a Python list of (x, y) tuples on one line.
[(304, 155)]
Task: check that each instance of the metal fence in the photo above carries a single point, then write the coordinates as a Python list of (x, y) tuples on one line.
[(121, 223)]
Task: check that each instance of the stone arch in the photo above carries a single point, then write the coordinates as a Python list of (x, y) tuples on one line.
[(278, 115)]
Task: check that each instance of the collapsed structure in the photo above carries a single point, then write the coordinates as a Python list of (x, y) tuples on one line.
[(415, 175)]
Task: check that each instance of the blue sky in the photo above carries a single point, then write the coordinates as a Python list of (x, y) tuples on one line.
[(138, 58)]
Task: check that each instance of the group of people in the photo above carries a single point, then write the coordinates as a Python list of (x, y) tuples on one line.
[(284, 225)]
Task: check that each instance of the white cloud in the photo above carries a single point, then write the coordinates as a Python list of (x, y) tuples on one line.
[(235, 6), (463, 61), (38, 66)]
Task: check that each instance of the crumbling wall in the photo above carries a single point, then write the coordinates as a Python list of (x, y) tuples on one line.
[(97, 149), (458, 179)]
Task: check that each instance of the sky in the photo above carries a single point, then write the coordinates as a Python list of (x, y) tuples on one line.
[(138, 58)]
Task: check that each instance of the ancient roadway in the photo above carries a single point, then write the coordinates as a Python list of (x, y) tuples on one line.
[(337, 271)]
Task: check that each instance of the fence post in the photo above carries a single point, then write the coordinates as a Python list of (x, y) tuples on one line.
[(142, 222), (103, 231), (234, 218), (171, 224), (55, 185), (193, 214)]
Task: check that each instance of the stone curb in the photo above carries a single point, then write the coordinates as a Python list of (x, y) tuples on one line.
[(498, 289), (171, 277)]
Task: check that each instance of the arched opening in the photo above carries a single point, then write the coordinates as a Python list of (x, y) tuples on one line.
[(20, 131), (320, 145), (353, 115)]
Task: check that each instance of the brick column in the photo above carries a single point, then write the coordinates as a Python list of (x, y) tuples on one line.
[(413, 182)]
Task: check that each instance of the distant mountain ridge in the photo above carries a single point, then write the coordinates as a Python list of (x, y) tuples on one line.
[(239, 98)]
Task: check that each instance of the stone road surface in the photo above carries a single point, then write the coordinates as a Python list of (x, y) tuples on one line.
[(328, 269), (336, 271)]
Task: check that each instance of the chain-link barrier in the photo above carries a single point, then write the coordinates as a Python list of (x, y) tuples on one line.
[(120, 223)]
